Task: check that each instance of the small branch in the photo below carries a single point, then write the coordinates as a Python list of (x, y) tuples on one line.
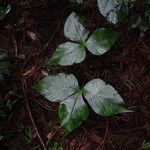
[(25, 91), (104, 138)]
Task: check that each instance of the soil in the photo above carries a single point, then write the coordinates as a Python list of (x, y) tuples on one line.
[(29, 35)]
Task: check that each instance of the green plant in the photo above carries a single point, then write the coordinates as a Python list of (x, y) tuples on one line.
[(142, 21), (69, 53), (4, 11), (146, 145), (73, 109), (77, 1), (55, 146), (29, 139), (114, 10), (62, 88), (6, 108)]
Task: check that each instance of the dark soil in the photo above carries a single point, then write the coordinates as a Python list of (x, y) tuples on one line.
[(126, 67)]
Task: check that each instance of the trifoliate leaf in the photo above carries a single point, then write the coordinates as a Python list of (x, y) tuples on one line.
[(101, 41), (103, 98), (70, 53), (72, 112), (67, 54), (74, 30), (57, 87), (4, 12)]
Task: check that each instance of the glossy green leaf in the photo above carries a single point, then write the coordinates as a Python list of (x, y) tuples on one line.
[(70, 53), (114, 10), (103, 98), (72, 111), (57, 87), (109, 9), (67, 54), (74, 30), (4, 12), (65, 89), (101, 41)]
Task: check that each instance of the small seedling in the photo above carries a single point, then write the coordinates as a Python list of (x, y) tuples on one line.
[(102, 98), (146, 145), (4, 11), (74, 51), (55, 146)]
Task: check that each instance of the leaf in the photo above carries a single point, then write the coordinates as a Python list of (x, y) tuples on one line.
[(143, 23), (57, 87), (101, 41), (4, 12), (146, 145), (67, 54), (77, 1), (109, 9), (65, 89), (74, 30), (136, 21), (72, 111), (103, 98), (1, 137), (55, 146), (113, 10)]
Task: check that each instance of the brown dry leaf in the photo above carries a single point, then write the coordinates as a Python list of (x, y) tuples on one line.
[(32, 35)]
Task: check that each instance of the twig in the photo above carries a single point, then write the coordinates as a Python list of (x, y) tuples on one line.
[(145, 46), (25, 91), (104, 137)]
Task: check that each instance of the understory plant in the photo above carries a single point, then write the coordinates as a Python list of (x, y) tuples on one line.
[(74, 100), (73, 109), (115, 10), (142, 20), (4, 11), (74, 51)]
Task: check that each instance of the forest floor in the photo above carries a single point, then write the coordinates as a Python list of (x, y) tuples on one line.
[(31, 33)]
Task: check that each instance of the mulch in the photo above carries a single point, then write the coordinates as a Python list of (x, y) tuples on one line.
[(31, 33)]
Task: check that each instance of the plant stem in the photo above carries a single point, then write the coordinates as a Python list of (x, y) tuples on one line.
[(25, 91)]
